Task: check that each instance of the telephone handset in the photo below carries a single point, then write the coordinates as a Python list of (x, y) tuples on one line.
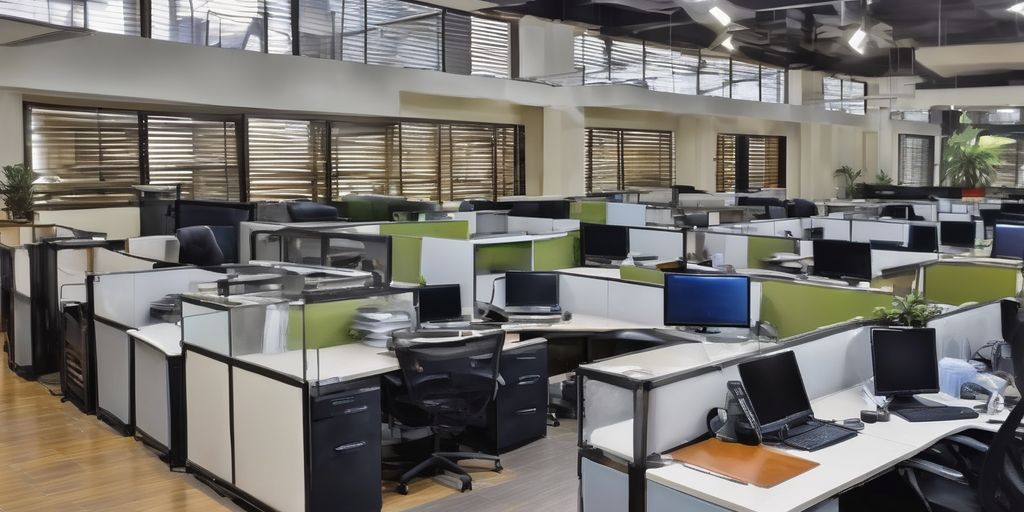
[(740, 393), (490, 312)]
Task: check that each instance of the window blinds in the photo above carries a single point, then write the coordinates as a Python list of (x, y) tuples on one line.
[(201, 155), (725, 163), (764, 158), (287, 159), (1008, 174), (111, 16), (617, 159), (764, 168), (844, 95), (915, 160), (714, 76), (84, 157), (364, 159)]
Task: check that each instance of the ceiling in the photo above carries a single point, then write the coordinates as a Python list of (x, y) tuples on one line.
[(801, 34)]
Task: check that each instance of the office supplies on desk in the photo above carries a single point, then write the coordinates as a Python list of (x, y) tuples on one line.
[(755, 465), (783, 410)]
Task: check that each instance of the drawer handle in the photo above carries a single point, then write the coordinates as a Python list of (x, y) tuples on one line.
[(350, 446), (526, 358), (357, 410), (528, 379), (524, 412), (343, 401)]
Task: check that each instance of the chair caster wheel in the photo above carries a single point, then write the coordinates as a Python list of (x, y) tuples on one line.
[(403, 489), (498, 467), (466, 486)]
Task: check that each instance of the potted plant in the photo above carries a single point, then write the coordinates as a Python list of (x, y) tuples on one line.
[(969, 159), (910, 311), (849, 177), (16, 190), (882, 178)]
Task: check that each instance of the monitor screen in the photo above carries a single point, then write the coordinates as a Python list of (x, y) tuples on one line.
[(842, 259), (776, 389), (904, 361), (1012, 207), (707, 300), (605, 241), (531, 289), (957, 233), (923, 238), (440, 302), (1008, 241)]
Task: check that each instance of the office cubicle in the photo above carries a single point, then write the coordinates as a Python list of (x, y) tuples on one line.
[(223, 217)]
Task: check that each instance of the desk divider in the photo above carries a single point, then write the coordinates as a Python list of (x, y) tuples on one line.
[(797, 308), (642, 275), (406, 252), (950, 282), (455, 229), (591, 212), (762, 247), (497, 258), (557, 253)]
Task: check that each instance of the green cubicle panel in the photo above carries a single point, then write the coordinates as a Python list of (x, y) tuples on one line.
[(642, 275), (557, 253), (760, 248), (957, 283), (796, 308), (591, 212), (324, 324), (455, 229), (497, 258), (405, 258)]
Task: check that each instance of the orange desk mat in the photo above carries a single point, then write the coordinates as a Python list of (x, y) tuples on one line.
[(757, 465)]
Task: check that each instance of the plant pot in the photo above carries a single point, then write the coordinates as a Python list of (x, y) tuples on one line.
[(973, 193)]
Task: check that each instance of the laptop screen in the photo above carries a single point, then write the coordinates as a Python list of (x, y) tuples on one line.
[(776, 390), (524, 289)]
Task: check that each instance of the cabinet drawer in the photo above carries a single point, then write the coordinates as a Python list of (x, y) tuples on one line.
[(522, 362), (354, 403)]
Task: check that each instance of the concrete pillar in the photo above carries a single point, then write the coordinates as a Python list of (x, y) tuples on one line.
[(564, 172), (545, 47), (12, 140)]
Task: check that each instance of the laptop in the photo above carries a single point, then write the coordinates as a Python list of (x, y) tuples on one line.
[(440, 306), (532, 293), (779, 400)]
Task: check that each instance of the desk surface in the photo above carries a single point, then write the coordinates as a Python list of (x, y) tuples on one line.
[(163, 337), (651, 364), (879, 447)]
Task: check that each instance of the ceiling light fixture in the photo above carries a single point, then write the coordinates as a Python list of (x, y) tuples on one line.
[(858, 40), (720, 15), (1017, 8), (724, 40)]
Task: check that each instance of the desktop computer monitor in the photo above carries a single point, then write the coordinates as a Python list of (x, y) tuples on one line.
[(440, 303), (923, 238), (1012, 208), (531, 289), (904, 362), (1008, 241), (776, 390), (957, 233), (707, 300), (604, 241), (841, 259)]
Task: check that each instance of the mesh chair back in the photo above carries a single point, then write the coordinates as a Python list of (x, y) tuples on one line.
[(1001, 485)]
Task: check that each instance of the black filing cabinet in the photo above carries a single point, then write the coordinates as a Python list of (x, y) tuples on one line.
[(345, 435), (518, 415)]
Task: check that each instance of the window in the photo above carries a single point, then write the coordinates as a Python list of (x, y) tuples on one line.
[(84, 157), (590, 54), (112, 16), (364, 158), (477, 46), (255, 25), (618, 159), (1009, 173), (713, 76), (845, 95), (746, 162), (287, 160), (916, 160), (200, 154), (746, 81), (626, 60), (670, 70)]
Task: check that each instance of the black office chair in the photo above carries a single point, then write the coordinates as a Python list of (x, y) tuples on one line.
[(308, 211), (696, 220), (998, 488), (198, 246), (801, 208), (447, 386)]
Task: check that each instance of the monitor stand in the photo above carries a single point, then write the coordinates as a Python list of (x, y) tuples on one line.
[(903, 402)]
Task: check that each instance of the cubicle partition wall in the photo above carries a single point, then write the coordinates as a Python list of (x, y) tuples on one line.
[(970, 280), (223, 217), (743, 251)]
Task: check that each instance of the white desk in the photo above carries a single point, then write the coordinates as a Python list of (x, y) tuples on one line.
[(876, 449), (651, 364)]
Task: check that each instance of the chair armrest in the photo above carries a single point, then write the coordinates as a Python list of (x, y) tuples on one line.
[(968, 442), (935, 469)]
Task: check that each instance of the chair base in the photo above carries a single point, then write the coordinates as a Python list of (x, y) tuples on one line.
[(446, 461)]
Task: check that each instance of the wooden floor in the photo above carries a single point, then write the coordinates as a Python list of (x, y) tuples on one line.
[(54, 458)]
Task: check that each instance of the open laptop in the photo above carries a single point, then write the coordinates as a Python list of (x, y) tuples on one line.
[(779, 400), (440, 306), (532, 293)]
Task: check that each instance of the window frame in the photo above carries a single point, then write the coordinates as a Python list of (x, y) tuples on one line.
[(621, 179), (720, 180), (929, 163)]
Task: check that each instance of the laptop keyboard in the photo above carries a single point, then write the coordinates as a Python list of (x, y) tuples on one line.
[(824, 435)]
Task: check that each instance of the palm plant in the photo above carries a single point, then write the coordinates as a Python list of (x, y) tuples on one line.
[(912, 311), (16, 190), (970, 159), (882, 178), (849, 177)]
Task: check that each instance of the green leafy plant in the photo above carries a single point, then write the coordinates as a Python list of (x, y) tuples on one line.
[(17, 190), (970, 159), (910, 311), (849, 177), (882, 178)]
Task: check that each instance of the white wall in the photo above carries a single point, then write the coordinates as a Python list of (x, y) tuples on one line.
[(117, 223), (12, 144)]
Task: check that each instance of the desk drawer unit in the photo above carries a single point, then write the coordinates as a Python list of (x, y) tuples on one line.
[(518, 415), (345, 445)]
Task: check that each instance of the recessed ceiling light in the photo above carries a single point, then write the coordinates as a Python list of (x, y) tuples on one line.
[(858, 40), (1017, 8), (1006, 110), (720, 15)]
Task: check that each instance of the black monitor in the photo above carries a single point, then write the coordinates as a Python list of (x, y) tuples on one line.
[(841, 259), (604, 241), (1017, 208), (904, 361), (957, 233), (923, 238), (707, 300), (1008, 241), (525, 289), (887, 245), (776, 390), (439, 303)]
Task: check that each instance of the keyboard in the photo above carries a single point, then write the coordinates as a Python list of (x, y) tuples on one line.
[(825, 435), (918, 414)]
